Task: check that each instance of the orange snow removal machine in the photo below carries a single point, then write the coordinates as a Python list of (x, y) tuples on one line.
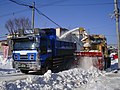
[(93, 52)]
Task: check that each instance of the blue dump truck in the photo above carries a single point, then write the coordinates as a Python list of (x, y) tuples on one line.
[(41, 51)]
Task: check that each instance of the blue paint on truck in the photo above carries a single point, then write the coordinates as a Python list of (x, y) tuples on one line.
[(42, 51)]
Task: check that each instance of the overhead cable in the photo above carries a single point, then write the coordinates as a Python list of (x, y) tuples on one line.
[(83, 4), (19, 3), (47, 17), (37, 11)]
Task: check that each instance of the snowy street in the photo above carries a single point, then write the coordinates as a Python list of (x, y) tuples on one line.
[(60, 45), (73, 79), (12, 77), (109, 81)]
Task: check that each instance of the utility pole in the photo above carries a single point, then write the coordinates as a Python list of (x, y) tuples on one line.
[(116, 12), (33, 15)]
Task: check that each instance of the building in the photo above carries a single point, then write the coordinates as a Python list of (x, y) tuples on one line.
[(2, 43)]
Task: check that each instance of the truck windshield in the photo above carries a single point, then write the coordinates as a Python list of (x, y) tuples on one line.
[(23, 44)]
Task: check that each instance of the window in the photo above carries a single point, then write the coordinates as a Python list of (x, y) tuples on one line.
[(22, 44)]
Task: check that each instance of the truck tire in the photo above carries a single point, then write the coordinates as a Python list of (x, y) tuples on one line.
[(24, 71), (47, 67), (44, 70)]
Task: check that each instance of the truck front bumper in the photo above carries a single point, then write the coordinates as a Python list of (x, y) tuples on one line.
[(26, 65)]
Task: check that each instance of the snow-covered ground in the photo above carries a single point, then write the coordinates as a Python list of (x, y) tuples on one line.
[(73, 79), (6, 66)]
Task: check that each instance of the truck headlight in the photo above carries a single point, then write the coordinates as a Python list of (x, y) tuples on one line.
[(16, 57), (32, 57)]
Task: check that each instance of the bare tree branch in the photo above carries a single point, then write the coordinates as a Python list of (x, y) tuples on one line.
[(16, 24)]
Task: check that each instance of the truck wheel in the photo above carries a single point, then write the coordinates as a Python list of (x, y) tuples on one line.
[(48, 66), (24, 71), (44, 70)]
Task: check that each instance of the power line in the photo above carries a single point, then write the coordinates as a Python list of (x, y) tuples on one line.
[(47, 17), (82, 4), (17, 12), (37, 11), (25, 10), (13, 13), (19, 3), (52, 3), (23, 1)]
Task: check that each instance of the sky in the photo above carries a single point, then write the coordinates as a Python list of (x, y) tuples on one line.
[(93, 15)]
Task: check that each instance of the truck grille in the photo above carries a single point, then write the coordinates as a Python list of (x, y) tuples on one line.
[(24, 57)]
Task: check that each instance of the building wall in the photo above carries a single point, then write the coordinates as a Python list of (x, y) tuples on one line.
[(2, 42)]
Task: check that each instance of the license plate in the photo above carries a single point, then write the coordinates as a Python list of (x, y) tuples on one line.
[(23, 65)]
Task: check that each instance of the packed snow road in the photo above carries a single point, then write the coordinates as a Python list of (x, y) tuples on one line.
[(16, 76), (12, 77)]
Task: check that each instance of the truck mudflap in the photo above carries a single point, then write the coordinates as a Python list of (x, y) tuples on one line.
[(26, 65)]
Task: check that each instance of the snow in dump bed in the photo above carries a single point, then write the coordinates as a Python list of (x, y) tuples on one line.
[(65, 80)]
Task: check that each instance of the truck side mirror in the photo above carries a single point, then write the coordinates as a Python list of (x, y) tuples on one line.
[(37, 42)]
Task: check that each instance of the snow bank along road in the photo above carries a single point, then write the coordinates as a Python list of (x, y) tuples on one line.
[(65, 80), (73, 79), (109, 81)]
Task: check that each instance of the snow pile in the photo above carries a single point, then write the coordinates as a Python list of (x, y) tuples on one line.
[(6, 66), (65, 80), (83, 62)]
